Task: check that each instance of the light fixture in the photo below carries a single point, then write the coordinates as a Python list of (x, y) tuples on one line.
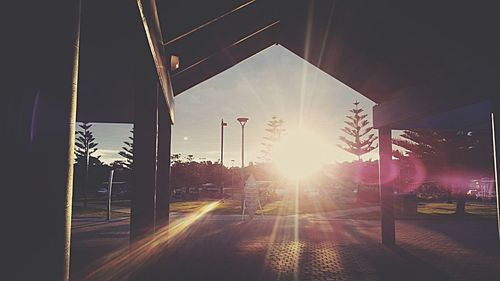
[(242, 120), (174, 63)]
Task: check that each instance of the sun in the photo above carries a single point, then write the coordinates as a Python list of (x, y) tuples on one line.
[(300, 154)]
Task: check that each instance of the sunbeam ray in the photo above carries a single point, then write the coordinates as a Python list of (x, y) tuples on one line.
[(124, 262)]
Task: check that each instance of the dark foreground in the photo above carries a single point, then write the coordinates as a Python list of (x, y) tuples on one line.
[(286, 248)]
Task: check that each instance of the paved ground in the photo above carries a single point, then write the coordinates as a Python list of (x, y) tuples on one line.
[(287, 248)]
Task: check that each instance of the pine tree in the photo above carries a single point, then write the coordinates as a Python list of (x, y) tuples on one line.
[(85, 146), (457, 148), (128, 153), (274, 129), (452, 149), (426, 145), (362, 140)]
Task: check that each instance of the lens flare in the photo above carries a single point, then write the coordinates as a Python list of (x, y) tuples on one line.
[(122, 263)]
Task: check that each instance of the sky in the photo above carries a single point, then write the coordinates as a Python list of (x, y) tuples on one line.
[(274, 82)]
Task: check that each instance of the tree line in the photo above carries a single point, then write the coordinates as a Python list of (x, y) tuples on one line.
[(437, 150)]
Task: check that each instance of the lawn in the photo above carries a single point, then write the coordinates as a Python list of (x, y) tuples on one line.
[(479, 209), (307, 205), (80, 212), (279, 207), (432, 210)]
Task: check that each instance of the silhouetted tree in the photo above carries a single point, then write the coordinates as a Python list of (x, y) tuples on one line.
[(85, 146), (456, 150), (361, 140), (175, 158), (128, 153), (274, 129)]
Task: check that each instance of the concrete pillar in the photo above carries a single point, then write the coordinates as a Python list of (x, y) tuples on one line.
[(163, 165), (38, 141), (495, 126), (386, 188), (142, 217)]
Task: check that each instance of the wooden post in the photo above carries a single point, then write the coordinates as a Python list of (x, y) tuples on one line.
[(386, 188), (142, 216), (40, 106), (163, 166)]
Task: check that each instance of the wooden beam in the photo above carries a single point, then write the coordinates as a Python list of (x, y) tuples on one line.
[(413, 109)]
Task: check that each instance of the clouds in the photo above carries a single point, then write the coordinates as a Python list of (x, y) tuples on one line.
[(109, 155)]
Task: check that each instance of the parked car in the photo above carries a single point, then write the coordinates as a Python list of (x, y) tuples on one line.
[(485, 195), (472, 193), (483, 189), (185, 193), (103, 191), (119, 189), (177, 194)]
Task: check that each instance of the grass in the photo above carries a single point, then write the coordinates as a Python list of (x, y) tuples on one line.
[(479, 209), (307, 205), (428, 210), (280, 207), (80, 212)]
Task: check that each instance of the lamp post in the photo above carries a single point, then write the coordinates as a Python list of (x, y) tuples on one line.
[(222, 125), (243, 121)]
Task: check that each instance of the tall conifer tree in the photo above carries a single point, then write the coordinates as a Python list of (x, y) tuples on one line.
[(359, 140)]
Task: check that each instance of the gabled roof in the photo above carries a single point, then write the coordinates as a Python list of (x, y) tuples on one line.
[(382, 49)]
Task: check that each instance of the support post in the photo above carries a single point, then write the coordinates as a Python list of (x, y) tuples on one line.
[(40, 103), (163, 166), (142, 216), (495, 129), (386, 188)]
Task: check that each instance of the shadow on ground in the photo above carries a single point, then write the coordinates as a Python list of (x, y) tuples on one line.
[(287, 248)]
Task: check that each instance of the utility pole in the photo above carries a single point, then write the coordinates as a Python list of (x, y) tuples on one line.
[(221, 182)]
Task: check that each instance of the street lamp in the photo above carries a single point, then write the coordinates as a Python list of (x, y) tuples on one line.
[(222, 125), (243, 121)]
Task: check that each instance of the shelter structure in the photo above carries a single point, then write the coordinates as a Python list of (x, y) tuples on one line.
[(424, 64)]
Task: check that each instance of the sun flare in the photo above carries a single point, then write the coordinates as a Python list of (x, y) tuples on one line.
[(300, 154)]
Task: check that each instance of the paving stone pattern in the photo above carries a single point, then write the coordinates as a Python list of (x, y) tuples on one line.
[(303, 249)]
